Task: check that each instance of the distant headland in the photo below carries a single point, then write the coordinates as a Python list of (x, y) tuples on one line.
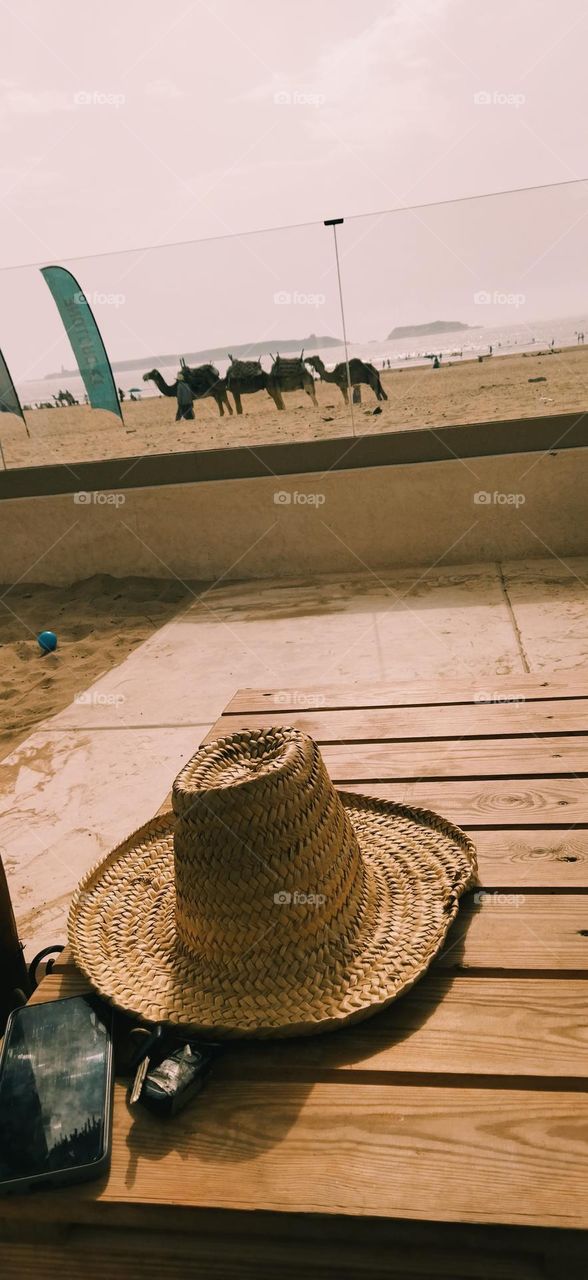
[(247, 350), (434, 326)]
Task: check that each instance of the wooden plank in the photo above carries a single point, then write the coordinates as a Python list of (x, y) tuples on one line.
[(444, 1025), (404, 693), (380, 724), (546, 802), (470, 758), (505, 931), (533, 859), (59, 986), (398, 1151), (536, 858), (236, 1246)]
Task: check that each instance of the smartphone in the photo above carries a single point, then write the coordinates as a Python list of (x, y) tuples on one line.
[(56, 1081)]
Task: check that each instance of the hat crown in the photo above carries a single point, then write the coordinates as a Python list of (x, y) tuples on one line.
[(265, 854)]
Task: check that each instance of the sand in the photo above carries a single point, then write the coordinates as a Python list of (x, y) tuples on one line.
[(98, 622), (468, 391)]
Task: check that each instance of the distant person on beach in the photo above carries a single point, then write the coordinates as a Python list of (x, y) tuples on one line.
[(436, 363), (184, 398), (490, 350)]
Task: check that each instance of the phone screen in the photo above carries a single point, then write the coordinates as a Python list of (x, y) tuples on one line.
[(54, 1088)]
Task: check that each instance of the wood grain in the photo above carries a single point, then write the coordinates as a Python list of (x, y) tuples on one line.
[(471, 758), (544, 931), (379, 724), (503, 803), (445, 1025), (262, 1246), (542, 858), (399, 693), (409, 1151)]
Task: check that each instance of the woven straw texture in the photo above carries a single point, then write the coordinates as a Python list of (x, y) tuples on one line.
[(268, 903)]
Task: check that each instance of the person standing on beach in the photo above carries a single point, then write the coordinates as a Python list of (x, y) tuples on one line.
[(184, 398)]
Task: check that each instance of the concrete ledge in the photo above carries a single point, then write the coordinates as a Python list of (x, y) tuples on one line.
[(400, 448), (341, 521)]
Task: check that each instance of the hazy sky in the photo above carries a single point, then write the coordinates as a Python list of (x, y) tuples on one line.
[(138, 123)]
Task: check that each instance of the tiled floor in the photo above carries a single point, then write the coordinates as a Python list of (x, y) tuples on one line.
[(96, 771)]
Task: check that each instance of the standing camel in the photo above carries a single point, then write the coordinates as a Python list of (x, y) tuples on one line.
[(359, 372), (246, 376), (203, 381), (292, 375)]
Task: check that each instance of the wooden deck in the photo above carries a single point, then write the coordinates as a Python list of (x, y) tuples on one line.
[(446, 1137)]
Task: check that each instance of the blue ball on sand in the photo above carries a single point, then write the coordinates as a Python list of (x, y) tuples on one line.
[(47, 641)]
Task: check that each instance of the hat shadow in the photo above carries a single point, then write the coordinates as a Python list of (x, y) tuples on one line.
[(233, 1120), (258, 1088), (309, 1059)]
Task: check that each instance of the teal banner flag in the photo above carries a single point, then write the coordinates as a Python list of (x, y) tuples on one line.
[(9, 401), (84, 335)]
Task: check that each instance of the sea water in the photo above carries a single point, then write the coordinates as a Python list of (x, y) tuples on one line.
[(460, 344)]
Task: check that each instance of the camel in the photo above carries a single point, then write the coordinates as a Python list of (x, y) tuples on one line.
[(64, 398), (246, 376), (203, 381), (359, 372), (291, 375), (166, 388)]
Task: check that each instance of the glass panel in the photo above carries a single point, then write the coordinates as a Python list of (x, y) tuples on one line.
[(255, 297), (470, 311), (509, 269)]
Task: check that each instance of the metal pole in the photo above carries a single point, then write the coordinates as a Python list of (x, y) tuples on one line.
[(334, 223)]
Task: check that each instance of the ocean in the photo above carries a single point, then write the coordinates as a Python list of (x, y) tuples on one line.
[(464, 344)]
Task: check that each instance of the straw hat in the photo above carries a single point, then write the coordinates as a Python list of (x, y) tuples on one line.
[(268, 903)]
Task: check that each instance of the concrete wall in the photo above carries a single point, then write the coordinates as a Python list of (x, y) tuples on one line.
[(340, 521)]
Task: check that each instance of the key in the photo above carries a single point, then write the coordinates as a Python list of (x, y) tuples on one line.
[(139, 1080)]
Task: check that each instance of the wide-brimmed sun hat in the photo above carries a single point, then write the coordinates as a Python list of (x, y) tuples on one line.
[(268, 903)]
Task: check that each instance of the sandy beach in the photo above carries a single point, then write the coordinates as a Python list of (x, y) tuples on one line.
[(498, 388), (98, 622)]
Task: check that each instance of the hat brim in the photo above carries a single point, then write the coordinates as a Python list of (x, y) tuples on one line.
[(122, 932)]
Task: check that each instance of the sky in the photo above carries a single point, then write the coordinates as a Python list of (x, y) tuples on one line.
[(140, 124)]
